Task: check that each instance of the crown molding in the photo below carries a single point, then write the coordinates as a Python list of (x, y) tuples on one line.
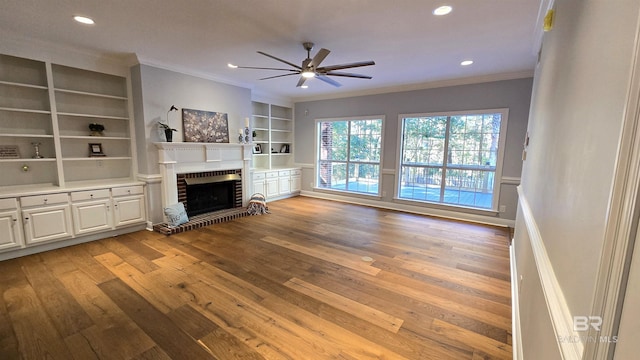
[(42, 50), (190, 72), (423, 86)]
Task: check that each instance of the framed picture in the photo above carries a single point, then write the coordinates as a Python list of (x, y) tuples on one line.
[(9, 152), (257, 149), (95, 150), (284, 148), (205, 126)]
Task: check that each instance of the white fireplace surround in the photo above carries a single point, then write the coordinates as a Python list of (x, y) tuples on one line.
[(183, 158)]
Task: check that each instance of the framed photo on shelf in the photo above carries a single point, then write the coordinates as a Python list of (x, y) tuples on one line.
[(9, 152), (95, 149), (257, 149), (284, 148)]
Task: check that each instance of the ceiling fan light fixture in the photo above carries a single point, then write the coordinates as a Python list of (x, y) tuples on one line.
[(304, 86), (84, 20), (442, 10), (308, 74)]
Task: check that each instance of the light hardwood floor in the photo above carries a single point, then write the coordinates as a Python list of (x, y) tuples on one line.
[(293, 284)]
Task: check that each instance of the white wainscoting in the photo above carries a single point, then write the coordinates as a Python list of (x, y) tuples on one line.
[(561, 317)]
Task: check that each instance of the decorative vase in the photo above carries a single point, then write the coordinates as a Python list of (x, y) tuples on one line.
[(168, 133)]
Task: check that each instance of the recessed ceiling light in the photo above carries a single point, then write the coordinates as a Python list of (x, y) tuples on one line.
[(466, 62), (232, 66), (83, 20), (305, 86), (442, 10)]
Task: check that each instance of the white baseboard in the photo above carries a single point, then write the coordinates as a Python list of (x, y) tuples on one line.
[(422, 210), (561, 317), (516, 333)]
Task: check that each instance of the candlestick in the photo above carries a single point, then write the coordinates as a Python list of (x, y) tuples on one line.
[(246, 122)]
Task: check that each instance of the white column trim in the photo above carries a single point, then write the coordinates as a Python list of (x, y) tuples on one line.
[(622, 221)]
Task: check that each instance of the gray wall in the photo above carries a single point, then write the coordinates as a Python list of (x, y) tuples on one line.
[(154, 91), (577, 109), (512, 94)]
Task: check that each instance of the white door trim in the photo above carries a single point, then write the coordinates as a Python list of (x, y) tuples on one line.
[(622, 221)]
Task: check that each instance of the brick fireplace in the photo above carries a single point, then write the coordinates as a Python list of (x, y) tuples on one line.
[(200, 163)]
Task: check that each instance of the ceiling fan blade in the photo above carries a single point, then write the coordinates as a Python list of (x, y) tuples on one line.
[(325, 69), (322, 53), (265, 68), (351, 75), (277, 76), (301, 81), (328, 80), (283, 61)]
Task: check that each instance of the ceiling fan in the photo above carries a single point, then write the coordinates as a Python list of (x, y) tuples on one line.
[(311, 67)]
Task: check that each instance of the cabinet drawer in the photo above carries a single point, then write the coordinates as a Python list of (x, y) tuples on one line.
[(39, 200), (89, 195), (8, 204), (272, 174), (127, 190), (296, 172), (284, 173), (258, 176)]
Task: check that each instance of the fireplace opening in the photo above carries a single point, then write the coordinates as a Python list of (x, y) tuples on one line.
[(211, 193)]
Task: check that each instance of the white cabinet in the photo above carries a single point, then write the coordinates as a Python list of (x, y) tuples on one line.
[(259, 183), (284, 182), (272, 184), (10, 227), (46, 218), (277, 184), (296, 180), (128, 205), (91, 211)]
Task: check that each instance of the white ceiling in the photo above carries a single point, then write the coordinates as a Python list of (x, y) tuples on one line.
[(411, 47)]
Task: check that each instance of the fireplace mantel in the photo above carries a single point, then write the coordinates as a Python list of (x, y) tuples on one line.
[(182, 157)]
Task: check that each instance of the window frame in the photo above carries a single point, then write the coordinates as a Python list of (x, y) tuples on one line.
[(497, 181), (317, 137)]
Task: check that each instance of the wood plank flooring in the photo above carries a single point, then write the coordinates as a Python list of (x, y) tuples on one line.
[(293, 284)]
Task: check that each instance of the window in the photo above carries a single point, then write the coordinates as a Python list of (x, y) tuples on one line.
[(349, 154), (452, 158)]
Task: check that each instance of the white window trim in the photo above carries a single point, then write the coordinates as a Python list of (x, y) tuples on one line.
[(499, 161), (316, 162)]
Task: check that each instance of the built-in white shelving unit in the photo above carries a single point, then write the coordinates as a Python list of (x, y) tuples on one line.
[(53, 105), (273, 125), (67, 195), (274, 173)]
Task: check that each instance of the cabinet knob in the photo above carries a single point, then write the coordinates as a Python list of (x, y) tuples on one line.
[(45, 200), (91, 196)]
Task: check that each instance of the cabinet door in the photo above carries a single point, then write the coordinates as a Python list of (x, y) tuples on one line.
[(47, 223), (285, 185), (272, 187), (129, 210), (259, 186), (91, 216), (296, 183), (10, 234)]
